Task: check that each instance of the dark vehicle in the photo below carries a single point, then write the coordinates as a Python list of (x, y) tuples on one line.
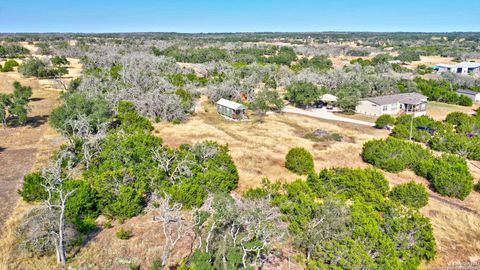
[(319, 104), (429, 130)]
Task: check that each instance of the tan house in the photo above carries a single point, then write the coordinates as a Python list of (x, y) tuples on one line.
[(410, 103)]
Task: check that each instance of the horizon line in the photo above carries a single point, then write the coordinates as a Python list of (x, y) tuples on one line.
[(241, 32)]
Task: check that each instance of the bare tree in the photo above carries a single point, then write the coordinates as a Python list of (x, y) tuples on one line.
[(248, 225), (173, 163), (175, 225), (56, 201), (82, 129), (205, 150)]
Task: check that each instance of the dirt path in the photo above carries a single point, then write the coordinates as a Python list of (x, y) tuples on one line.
[(20, 146), (323, 114)]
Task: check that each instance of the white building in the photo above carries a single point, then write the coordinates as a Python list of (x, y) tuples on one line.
[(410, 103), (474, 96), (461, 68)]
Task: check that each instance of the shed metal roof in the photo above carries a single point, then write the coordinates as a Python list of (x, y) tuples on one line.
[(467, 92), (230, 104), (406, 98), (468, 65)]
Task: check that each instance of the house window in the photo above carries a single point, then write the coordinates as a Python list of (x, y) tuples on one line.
[(401, 106), (385, 107)]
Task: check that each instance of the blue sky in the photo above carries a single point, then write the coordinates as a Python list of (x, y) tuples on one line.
[(238, 15)]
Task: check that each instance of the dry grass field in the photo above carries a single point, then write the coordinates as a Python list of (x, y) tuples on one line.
[(439, 111), (24, 149), (259, 146)]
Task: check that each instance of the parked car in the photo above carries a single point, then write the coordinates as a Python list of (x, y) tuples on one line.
[(429, 130), (319, 104)]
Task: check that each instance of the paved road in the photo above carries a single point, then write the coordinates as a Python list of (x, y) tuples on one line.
[(324, 114)]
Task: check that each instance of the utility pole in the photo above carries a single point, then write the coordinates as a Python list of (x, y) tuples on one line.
[(411, 127)]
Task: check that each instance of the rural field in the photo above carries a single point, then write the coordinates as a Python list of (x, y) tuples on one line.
[(325, 150)]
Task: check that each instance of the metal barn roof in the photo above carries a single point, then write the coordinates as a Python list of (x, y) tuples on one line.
[(467, 92), (468, 65), (230, 104)]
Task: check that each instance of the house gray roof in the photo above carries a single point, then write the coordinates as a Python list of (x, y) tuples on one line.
[(230, 104), (405, 98), (467, 92)]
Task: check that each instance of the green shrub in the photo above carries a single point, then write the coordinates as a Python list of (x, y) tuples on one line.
[(78, 105), (303, 93), (408, 56), (367, 184), (130, 120), (449, 175), (157, 265), (384, 121), (462, 122), (476, 187), (107, 225), (123, 234), (299, 160), (441, 90), (201, 261), (410, 194), (39, 68), (319, 63), (9, 65), (134, 266), (59, 60), (82, 204), (394, 155), (85, 225), (32, 188)]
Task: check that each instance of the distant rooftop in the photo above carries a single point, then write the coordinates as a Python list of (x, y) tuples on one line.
[(406, 98), (230, 104), (461, 65), (468, 92)]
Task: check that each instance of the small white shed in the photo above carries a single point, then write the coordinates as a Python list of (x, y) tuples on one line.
[(231, 109), (474, 96)]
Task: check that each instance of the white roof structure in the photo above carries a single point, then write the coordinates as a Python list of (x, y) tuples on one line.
[(230, 104), (328, 98), (469, 65), (461, 65)]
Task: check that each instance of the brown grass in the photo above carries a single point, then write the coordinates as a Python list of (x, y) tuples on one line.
[(25, 148), (259, 146), (439, 110)]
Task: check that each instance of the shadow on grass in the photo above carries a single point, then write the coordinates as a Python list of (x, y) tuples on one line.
[(36, 121)]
